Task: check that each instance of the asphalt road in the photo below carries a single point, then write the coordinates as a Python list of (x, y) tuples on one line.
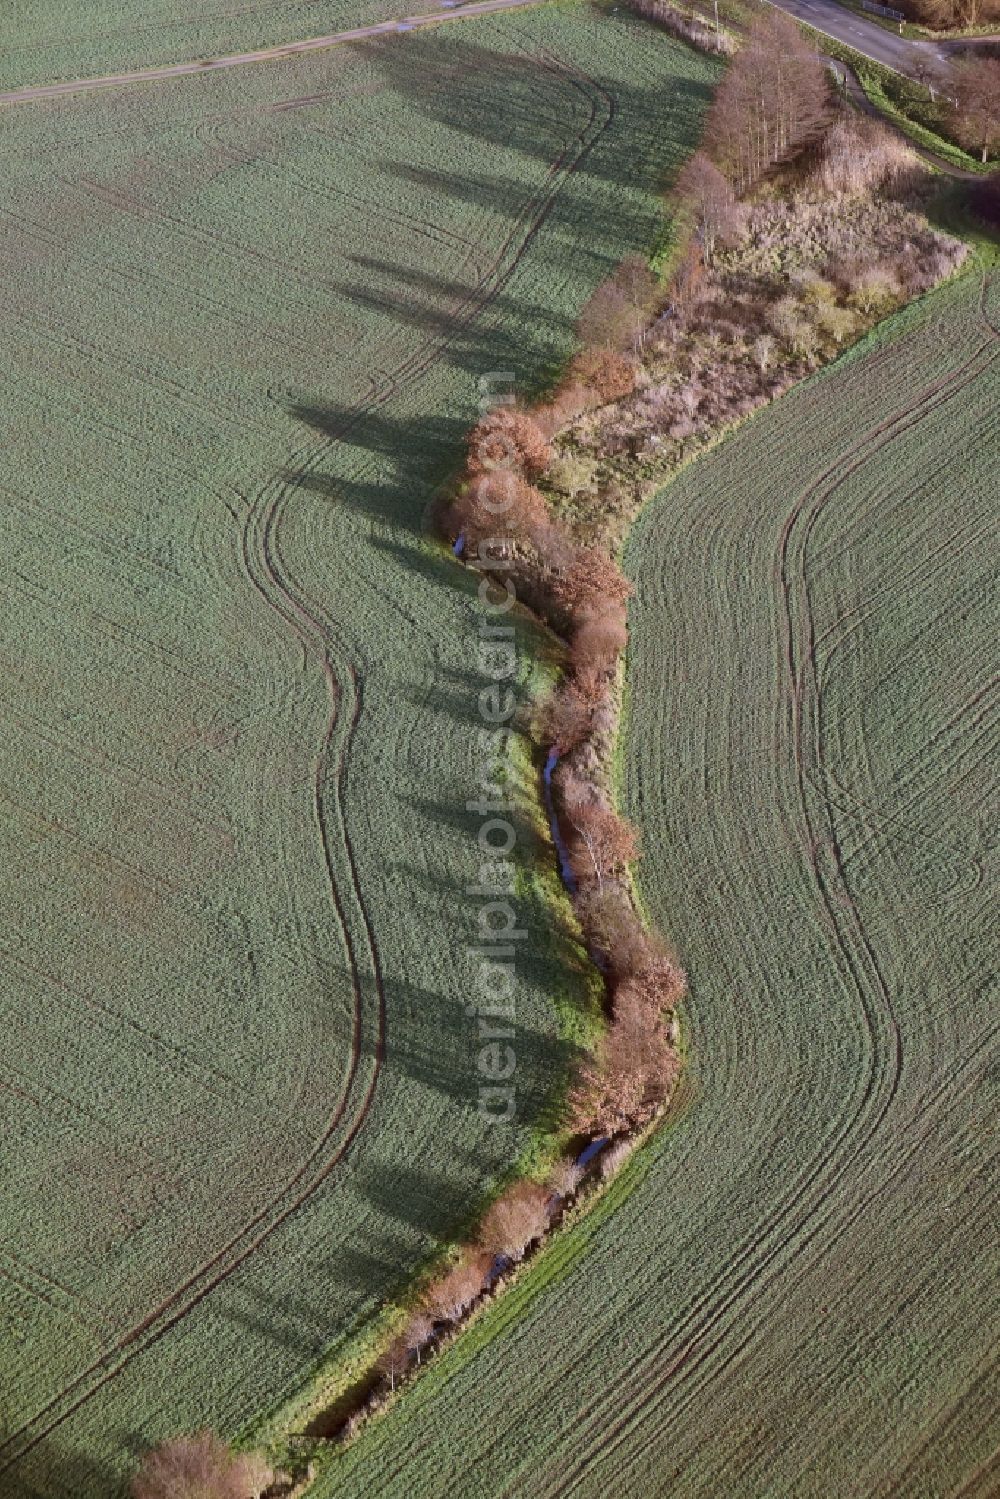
[(865, 36)]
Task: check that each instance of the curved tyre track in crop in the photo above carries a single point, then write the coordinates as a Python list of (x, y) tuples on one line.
[(792, 1300), (40, 92), (690, 1361), (326, 639)]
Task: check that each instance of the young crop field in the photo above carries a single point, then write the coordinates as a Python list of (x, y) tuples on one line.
[(43, 41), (244, 325), (791, 1291)]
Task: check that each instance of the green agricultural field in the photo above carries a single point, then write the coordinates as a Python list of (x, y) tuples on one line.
[(244, 322), (43, 41), (792, 1291)]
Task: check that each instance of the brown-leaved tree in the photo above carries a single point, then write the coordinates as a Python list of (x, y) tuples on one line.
[(200, 1467)]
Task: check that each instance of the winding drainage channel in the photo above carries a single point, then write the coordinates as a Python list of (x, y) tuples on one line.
[(595, 1146), (331, 1425)]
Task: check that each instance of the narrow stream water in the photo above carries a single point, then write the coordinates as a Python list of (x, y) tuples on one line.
[(562, 852), (595, 1146)]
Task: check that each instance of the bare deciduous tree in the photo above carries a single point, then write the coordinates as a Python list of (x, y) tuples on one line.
[(395, 1360), (644, 998), (571, 400), (566, 718), (606, 321), (635, 1066), (616, 931), (598, 641), (601, 844), (977, 113), (590, 583), (688, 282), (944, 15), (515, 1220), (417, 1333), (450, 1297), (709, 197), (508, 439), (500, 504), (200, 1467), (773, 102), (609, 374), (616, 315), (634, 1071)]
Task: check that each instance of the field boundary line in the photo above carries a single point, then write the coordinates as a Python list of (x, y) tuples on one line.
[(36, 93), (748, 1266), (264, 521)]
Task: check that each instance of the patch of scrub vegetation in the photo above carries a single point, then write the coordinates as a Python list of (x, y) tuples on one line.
[(774, 268), (927, 118)]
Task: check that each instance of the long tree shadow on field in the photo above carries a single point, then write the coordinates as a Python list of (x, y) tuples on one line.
[(422, 454), (302, 1326), (596, 236), (438, 1049), (50, 1470), (527, 104), (476, 327)]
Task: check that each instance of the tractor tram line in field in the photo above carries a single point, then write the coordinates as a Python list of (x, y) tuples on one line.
[(266, 574), (38, 93), (692, 1357)]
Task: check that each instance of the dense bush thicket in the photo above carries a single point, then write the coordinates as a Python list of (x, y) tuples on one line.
[(768, 283), (201, 1467)]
